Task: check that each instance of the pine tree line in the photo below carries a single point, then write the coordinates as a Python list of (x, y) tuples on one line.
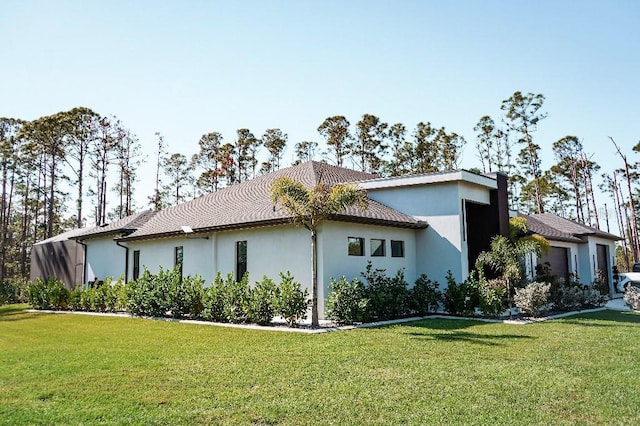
[(54, 167)]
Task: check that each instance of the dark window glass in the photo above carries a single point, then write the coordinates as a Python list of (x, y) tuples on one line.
[(241, 259), (397, 248), (356, 246), (178, 259), (377, 247), (136, 264)]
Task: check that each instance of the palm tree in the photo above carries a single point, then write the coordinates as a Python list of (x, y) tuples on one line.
[(309, 207), (506, 255)]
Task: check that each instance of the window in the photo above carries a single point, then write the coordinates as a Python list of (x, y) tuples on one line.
[(356, 246), (377, 247), (397, 248), (178, 257), (136, 264), (241, 259)]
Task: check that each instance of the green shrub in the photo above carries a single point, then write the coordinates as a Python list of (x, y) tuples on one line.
[(237, 295), (387, 296), (213, 301), (75, 297), (37, 294), (262, 301), (632, 297), (184, 294), (346, 303), (149, 294), (571, 297), (492, 297), (11, 291), (424, 297), (293, 302), (532, 299), (460, 299), (593, 297), (49, 294)]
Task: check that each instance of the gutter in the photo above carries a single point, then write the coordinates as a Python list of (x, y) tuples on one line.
[(126, 261)]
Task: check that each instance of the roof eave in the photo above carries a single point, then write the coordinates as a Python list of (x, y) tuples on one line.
[(381, 222), (230, 227)]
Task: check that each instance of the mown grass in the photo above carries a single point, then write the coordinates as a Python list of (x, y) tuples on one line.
[(70, 369)]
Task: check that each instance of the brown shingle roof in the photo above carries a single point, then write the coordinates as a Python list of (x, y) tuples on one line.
[(125, 225), (558, 228), (248, 204)]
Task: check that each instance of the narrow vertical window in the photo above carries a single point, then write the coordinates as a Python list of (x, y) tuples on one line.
[(377, 247), (397, 248), (178, 258), (136, 264), (356, 246), (241, 259)]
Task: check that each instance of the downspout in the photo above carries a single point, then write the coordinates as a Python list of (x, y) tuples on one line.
[(84, 262), (126, 261)]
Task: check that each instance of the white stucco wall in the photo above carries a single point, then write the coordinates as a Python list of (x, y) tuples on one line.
[(442, 246), (161, 252), (334, 257), (104, 259)]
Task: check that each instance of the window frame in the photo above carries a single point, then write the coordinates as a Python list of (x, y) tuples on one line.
[(360, 241), (241, 259), (178, 258), (394, 252), (382, 247), (136, 265)]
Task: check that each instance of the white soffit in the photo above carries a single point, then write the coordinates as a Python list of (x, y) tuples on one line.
[(431, 178)]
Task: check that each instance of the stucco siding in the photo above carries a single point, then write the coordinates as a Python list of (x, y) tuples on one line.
[(334, 256), (104, 259), (270, 250)]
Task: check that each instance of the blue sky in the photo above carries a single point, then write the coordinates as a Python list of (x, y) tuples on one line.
[(192, 67)]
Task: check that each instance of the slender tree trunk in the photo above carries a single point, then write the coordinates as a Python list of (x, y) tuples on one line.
[(4, 213), (52, 194), (618, 211), (633, 222)]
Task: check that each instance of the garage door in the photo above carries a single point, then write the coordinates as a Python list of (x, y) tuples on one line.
[(558, 259)]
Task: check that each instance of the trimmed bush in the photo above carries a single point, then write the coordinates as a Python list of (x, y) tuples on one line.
[(460, 299), (387, 296), (49, 294), (632, 297), (237, 295), (292, 303), (185, 295), (532, 299), (213, 301), (147, 296), (262, 301), (424, 297), (492, 297), (347, 302)]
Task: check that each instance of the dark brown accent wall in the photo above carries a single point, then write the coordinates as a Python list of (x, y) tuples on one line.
[(61, 259)]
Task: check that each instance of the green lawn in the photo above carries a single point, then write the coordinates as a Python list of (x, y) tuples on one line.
[(70, 369)]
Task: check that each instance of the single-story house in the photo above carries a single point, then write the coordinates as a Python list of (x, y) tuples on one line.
[(575, 249), (425, 224)]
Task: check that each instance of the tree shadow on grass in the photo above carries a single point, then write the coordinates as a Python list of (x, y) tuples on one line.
[(607, 318), (465, 336), (452, 331), (16, 313)]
